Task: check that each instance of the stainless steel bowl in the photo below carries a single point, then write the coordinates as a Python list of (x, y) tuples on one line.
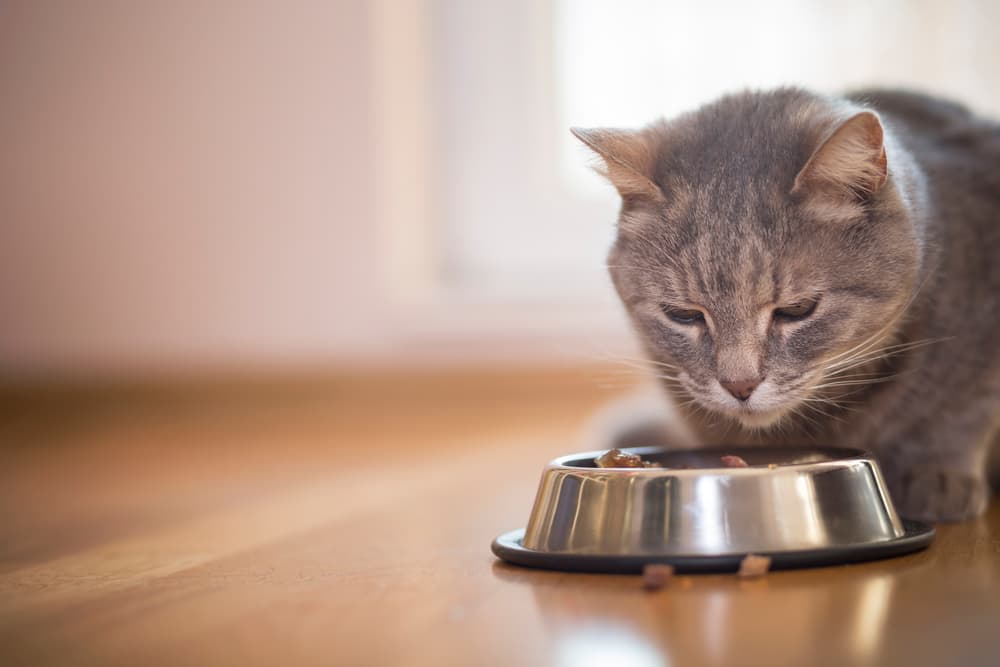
[(800, 505)]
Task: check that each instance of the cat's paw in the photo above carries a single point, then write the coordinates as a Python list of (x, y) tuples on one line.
[(929, 493)]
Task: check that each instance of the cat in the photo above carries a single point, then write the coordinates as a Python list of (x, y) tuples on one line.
[(802, 268)]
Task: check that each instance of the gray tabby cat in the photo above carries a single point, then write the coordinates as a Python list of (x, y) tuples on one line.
[(803, 268)]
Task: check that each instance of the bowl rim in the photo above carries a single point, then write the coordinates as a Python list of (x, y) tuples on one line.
[(848, 456), (509, 547)]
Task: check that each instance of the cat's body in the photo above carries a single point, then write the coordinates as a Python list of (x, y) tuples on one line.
[(808, 269)]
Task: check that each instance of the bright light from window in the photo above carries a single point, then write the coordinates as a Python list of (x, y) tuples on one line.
[(628, 62)]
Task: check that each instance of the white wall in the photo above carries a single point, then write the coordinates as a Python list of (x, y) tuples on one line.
[(182, 183)]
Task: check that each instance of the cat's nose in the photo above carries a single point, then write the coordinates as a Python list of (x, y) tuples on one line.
[(740, 389)]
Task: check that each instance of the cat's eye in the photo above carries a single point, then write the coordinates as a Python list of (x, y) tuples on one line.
[(683, 315), (796, 311)]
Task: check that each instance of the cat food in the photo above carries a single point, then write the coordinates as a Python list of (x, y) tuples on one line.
[(754, 566), (655, 576), (734, 462), (616, 458)]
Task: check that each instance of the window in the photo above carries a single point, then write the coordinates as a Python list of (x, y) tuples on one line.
[(515, 217)]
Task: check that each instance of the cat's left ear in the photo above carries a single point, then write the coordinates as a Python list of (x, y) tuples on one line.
[(628, 159), (850, 164)]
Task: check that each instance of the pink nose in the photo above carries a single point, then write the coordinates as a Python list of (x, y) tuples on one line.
[(740, 389)]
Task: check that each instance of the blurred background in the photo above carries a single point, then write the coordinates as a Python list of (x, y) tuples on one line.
[(197, 188)]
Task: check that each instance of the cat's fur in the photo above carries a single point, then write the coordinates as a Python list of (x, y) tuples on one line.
[(883, 206)]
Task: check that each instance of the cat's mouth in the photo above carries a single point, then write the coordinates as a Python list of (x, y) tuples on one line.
[(758, 419), (765, 408), (769, 405)]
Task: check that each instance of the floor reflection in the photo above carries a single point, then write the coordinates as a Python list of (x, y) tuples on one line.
[(870, 615), (823, 616), (604, 644)]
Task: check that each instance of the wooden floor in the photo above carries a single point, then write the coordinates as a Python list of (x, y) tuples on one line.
[(348, 522)]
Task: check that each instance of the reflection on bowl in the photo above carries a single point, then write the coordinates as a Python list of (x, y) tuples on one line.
[(787, 499)]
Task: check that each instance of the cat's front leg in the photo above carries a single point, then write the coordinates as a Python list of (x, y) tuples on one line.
[(932, 479), (936, 492)]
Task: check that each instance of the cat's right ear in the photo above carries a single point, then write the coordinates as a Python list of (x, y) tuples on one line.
[(627, 160), (850, 164)]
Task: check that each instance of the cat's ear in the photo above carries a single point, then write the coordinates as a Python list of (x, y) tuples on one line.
[(628, 159), (849, 164)]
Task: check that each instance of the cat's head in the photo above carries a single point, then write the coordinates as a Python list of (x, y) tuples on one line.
[(763, 240)]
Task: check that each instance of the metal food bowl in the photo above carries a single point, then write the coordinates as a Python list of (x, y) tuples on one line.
[(800, 506)]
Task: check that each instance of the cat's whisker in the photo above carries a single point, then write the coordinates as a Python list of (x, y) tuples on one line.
[(842, 399), (610, 386), (730, 425), (857, 374), (883, 352), (630, 371), (688, 403), (854, 383), (824, 413), (841, 377), (802, 415), (866, 353), (633, 360), (891, 325), (627, 370), (869, 358), (639, 371), (838, 403), (650, 374), (710, 415), (652, 362), (865, 378), (624, 375)]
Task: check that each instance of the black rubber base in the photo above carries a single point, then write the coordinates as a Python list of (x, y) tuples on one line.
[(508, 547)]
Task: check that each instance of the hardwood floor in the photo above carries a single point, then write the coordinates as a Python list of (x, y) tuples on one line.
[(348, 522)]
